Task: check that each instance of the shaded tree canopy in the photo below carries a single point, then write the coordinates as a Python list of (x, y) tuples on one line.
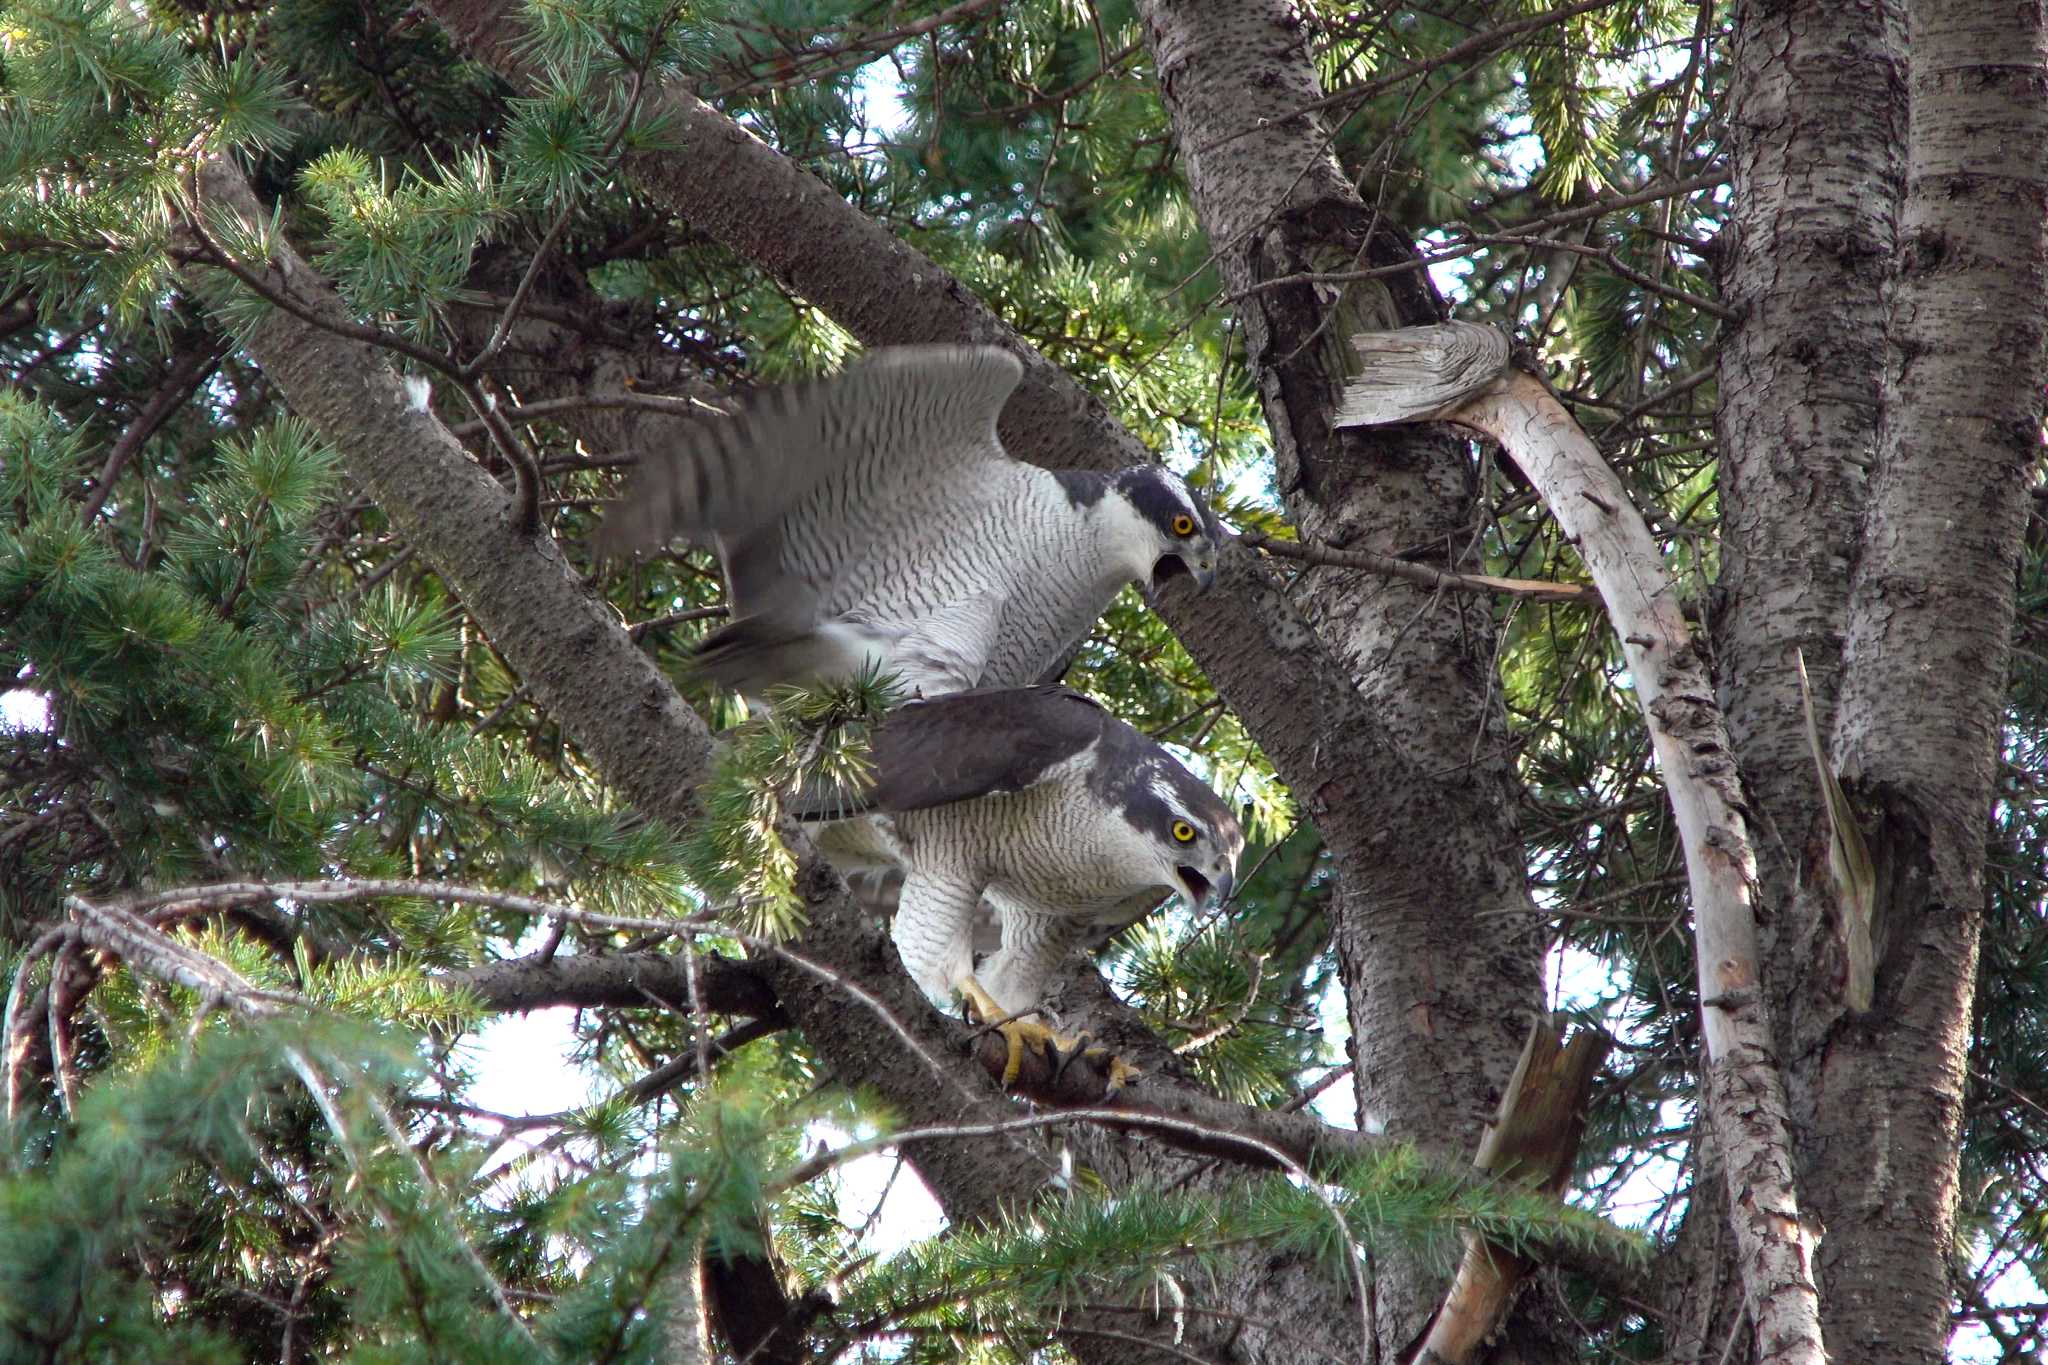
[(328, 330)]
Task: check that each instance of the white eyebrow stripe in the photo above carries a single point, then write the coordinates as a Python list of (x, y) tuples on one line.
[(1163, 788)]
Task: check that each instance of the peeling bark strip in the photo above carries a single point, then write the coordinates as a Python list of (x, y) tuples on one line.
[(1745, 1095)]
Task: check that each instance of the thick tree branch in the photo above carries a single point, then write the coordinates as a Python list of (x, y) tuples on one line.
[(1436, 982), (1921, 713), (1457, 373), (634, 980)]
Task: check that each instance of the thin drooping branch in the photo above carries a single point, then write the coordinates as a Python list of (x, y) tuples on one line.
[(189, 369), (1459, 373)]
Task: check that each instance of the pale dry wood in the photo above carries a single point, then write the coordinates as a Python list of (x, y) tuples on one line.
[(1744, 1089), (1852, 876), (686, 1334), (1419, 374), (1534, 1140)]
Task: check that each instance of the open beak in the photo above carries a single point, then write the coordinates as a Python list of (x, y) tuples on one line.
[(1198, 889), (1202, 573)]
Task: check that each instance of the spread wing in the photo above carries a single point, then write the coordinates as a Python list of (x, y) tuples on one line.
[(965, 745), (824, 460)]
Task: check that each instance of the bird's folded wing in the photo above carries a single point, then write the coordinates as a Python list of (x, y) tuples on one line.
[(971, 744), (959, 747)]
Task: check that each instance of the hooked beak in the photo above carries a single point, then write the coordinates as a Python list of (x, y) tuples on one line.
[(1202, 573), (1197, 889)]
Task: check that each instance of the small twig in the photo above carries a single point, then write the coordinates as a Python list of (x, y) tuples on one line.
[(639, 629), (641, 402), (1301, 1099), (1536, 590)]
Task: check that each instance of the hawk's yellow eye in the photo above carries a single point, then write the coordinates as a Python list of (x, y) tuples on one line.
[(1184, 831), (1183, 525)]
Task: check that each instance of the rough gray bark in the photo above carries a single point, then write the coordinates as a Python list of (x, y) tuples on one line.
[(1925, 656), (1440, 972), (620, 980), (1818, 137)]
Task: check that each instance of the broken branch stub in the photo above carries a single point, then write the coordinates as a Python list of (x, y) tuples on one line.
[(1420, 374), (1535, 1140)]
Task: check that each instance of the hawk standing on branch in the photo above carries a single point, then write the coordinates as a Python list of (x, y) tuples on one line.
[(874, 522), (1065, 818)]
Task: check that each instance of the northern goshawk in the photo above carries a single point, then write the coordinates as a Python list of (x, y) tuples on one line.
[(1063, 817), (873, 521)]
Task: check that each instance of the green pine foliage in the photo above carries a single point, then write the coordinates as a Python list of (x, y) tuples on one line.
[(226, 665)]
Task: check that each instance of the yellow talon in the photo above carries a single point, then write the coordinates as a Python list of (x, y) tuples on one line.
[(1018, 1032)]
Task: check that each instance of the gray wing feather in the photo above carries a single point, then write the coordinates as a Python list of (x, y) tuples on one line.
[(900, 417), (970, 744), (962, 746)]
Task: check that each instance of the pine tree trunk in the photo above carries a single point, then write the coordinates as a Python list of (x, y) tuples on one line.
[(1818, 143), (1440, 973), (1917, 727)]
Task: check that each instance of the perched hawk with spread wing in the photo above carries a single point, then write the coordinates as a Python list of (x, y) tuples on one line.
[(1065, 818), (873, 521)]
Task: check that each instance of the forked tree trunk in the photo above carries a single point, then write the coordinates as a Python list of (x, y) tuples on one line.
[(1928, 642), (1440, 971)]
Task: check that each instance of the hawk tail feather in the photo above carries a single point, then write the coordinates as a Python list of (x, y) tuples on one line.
[(757, 652)]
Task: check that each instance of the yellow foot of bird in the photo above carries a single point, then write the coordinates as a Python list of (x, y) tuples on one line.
[(1022, 1032)]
